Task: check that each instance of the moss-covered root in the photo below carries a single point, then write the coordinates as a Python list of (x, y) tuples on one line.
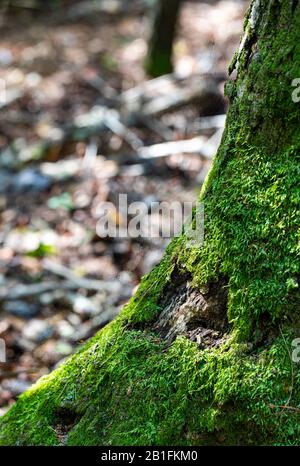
[(201, 354), (125, 388)]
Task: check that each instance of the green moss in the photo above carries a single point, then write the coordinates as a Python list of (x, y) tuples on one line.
[(125, 386), (125, 389), (252, 197)]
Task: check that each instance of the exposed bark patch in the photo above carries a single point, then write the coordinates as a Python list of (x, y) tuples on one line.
[(198, 314), (65, 420)]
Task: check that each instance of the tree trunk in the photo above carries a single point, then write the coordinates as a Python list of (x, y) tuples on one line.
[(160, 45), (201, 353)]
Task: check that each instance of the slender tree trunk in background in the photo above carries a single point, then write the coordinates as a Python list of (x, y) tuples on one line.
[(160, 45), (201, 353)]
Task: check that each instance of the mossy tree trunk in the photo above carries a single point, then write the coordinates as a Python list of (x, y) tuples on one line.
[(200, 355), (160, 44)]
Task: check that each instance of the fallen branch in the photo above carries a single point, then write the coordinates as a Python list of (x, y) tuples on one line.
[(141, 105), (209, 122), (80, 282), (21, 291), (169, 93), (27, 290), (112, 122), (198, 145)]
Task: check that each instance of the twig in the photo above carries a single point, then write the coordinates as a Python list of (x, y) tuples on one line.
[(188, 146), (156, 126), (169, 93), (209, 122), (90, 155), (113, 123), (24, 291), (80, 282), (290, 408)]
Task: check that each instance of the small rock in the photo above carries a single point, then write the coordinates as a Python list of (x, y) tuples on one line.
[(83, 305), (8, 159), (21, 308), (63, 348), (6, 57), (5, 180), (15, 386), (31, 180), (51, 297), (65, 330), (38, 330)]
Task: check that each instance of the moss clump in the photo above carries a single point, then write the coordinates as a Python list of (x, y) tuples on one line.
[(125, 386), (229, 395)]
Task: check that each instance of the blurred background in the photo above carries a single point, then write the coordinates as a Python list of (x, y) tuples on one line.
[(97, 98)]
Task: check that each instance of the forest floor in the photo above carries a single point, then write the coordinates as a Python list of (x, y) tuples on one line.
[(59, 281)]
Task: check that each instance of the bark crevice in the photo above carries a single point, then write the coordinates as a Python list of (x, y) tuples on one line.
[(65, 420), (198, 314), (294, 5)]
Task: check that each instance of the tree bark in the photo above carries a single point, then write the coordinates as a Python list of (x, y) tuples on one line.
[(202, 352), (160, 44)]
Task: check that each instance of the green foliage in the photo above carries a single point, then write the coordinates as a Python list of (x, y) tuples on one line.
[(42, 250), (252, 197), (64, 201), (109, 62)]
